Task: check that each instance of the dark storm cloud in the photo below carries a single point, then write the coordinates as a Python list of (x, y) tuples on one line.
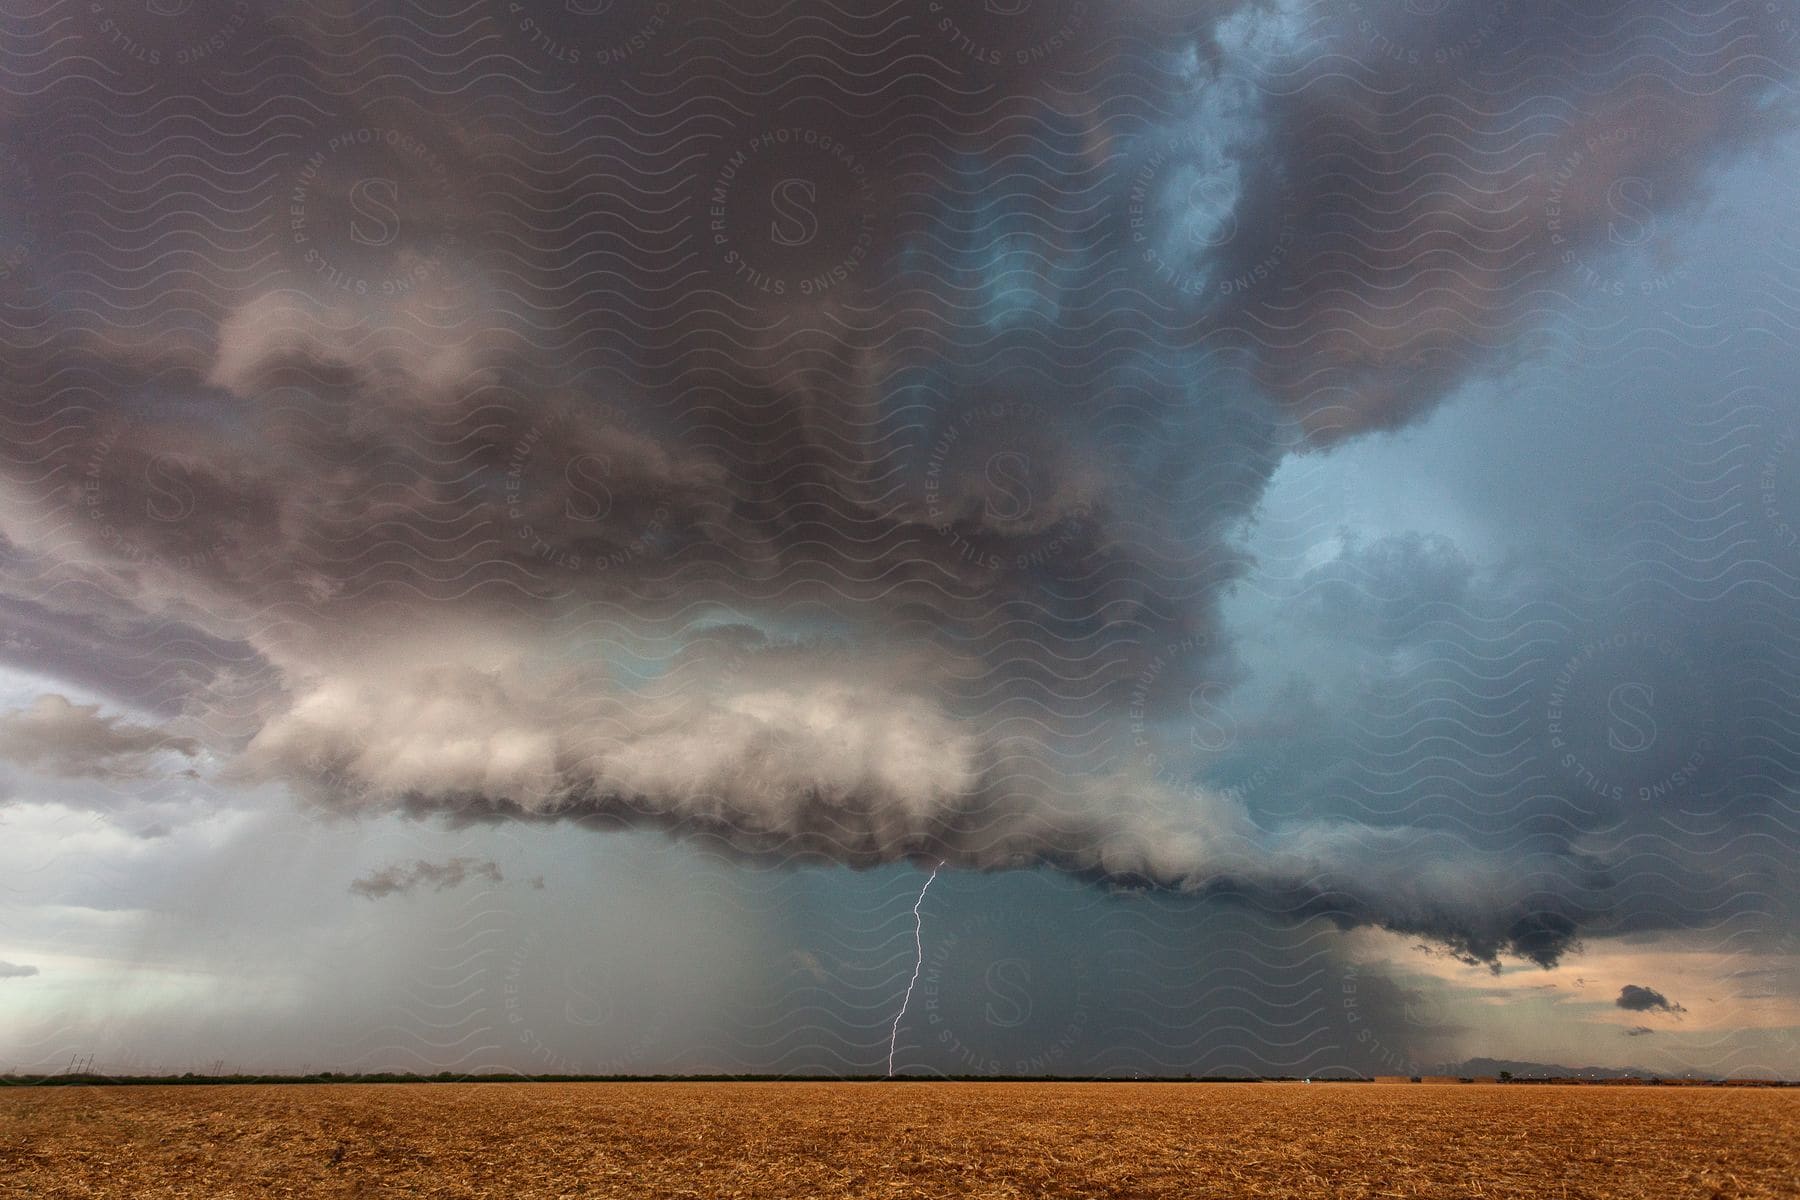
[(1636, 998), (498, 423), (59, 737), (16, 970), (1463, 173), (152, 668), (398, 879)]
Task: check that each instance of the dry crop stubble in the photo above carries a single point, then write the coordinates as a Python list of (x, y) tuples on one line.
[(773, 1141)]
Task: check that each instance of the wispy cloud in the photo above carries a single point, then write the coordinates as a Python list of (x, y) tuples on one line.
[(401, 878)]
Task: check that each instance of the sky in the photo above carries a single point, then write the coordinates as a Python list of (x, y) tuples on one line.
[(530, 533)]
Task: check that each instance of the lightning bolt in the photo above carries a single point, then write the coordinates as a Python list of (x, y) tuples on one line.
[(918, 962)]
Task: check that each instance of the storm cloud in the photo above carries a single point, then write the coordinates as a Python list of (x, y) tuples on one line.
[(827, 457), (59, 737)]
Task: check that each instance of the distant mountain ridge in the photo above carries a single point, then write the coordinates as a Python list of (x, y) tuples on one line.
[(1522, 1069)]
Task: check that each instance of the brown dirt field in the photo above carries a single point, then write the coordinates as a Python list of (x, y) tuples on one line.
[(775, 1141)]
